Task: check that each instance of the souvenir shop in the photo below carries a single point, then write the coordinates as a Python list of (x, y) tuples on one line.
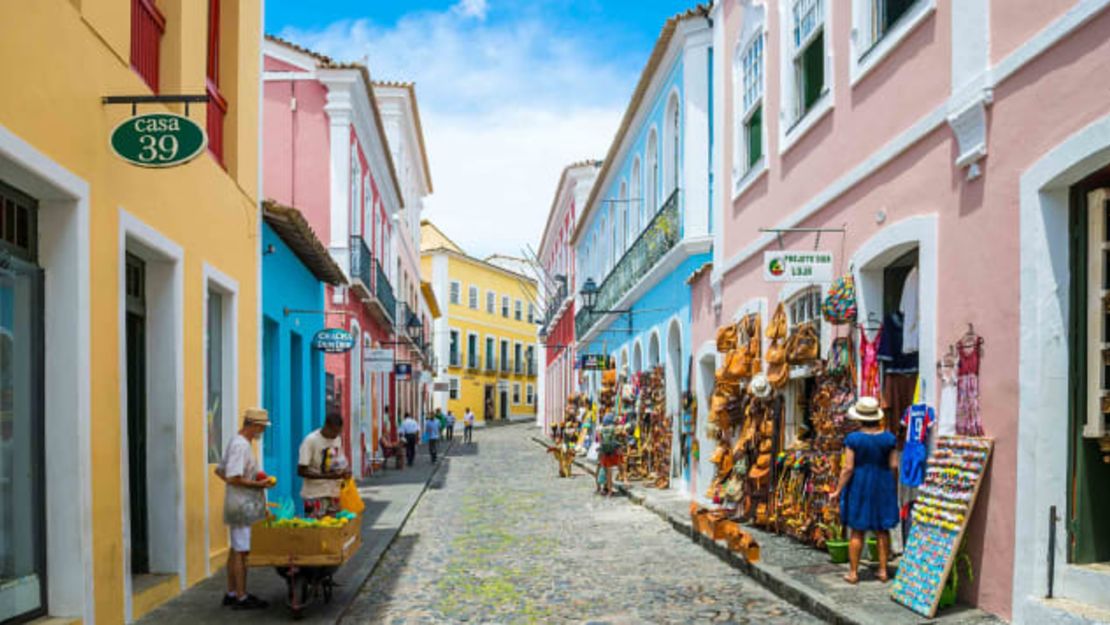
[(638, 403), (779, 415)]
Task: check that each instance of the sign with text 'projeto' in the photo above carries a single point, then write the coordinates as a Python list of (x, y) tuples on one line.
[(158, 140), (784, 266)]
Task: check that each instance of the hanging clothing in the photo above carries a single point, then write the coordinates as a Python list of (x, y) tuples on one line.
[(870, 499), (890, 347), (946, 415), (869, 364), (968, 419), (910, 312), (898, 391), (917, 420)]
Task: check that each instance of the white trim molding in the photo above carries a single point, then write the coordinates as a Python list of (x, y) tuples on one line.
[(791, 128), (866, 54)]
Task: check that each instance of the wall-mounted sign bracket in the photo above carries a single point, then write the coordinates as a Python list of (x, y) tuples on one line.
[(136, 100)]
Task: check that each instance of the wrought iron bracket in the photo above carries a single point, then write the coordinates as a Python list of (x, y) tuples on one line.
[(136, 100)]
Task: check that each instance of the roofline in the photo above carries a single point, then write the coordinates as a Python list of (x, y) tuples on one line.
[(411, 87), (428, 222), (657, 55), (596, 164), (278, 215), (479, 261)]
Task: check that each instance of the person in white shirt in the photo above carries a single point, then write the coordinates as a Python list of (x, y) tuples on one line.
[(468, 425), (410, 429), (450, 425), (431, 429), (244, 505), (323, 466)]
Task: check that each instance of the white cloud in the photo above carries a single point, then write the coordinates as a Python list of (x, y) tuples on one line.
[(506, 105)]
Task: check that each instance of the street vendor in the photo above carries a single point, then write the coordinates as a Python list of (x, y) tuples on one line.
[(323, 467)]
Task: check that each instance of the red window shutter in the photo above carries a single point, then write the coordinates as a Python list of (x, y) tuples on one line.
[(147, 26), (217, 105)]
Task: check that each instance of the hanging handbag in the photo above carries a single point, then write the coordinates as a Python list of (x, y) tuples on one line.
[(839, 306), (726, 338), (776, 329), (806, 347), (776, 353)]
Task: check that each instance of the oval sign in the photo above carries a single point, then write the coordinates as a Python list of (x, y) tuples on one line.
[(158, 140), (333, 341)]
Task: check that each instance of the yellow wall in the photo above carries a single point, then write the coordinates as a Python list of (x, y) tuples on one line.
[(464, 319), (58, 58)]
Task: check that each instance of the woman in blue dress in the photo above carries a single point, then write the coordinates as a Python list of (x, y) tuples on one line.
[(867, 490)]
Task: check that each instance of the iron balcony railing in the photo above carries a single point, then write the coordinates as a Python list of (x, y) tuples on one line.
[(658, 238), (362, 265), (554, 303), (383, 289)]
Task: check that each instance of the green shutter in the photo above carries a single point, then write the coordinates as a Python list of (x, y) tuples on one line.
[(755, 136), (813, 72)]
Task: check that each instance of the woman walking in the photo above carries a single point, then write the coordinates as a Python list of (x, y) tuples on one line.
[(867, 489)]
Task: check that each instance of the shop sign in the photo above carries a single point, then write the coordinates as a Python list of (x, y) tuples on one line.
[(378, 360), (403, 370), (158, 140), (441, 387), (333, 341), (594, 362), (784, 266)]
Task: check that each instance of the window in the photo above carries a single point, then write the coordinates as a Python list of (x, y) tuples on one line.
[(530, 357), (454, 355), (453, 388), (455, 292), (518, 363), (147, 27), (491, 302), (472, 351), (751, 126), (809, 54), (531, 313), (491, 360), (517, 310), (504, 356), (505, 306), (473, 299), (886, 13), (805, 308), (673, 122), (637, 199), (652, 175), (214, 343), (516, 392), (217, 105), (356, 192), (622, 207), (530, 397)]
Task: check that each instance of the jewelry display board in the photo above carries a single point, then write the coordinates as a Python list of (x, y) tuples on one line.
[(940, 516)]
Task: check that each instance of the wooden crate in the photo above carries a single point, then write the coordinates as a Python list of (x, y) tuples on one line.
[(304, 546)]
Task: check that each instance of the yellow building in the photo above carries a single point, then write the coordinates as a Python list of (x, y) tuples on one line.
[(485, 340), (129, 299)]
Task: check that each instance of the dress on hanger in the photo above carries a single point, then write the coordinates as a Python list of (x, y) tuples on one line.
[(869, 363), (948, 376), (968, 419)]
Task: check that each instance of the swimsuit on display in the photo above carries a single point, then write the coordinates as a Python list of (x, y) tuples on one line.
[(968, 420), (869, 364), (918, 420)]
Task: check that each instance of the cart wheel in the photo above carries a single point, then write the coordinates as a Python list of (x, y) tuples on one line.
[(297, 613), (328, 586)]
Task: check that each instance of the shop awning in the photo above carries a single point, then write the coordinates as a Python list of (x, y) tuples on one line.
[(290, 225)]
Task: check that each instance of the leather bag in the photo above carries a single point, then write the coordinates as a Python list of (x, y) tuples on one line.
[(726, 338)]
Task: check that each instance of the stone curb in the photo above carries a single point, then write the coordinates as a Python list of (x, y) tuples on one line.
[(771, 577)]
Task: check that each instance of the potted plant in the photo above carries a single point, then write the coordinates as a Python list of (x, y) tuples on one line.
[(873, 547), (948, 594), (835, 541)]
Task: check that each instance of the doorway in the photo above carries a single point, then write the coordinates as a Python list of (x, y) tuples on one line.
[(487, 403), (504, 414), (135, 327)]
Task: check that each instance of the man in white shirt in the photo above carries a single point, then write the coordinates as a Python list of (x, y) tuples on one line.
[(323, 466), (410, 429), (244, 504), (468, 425), (450, 425)]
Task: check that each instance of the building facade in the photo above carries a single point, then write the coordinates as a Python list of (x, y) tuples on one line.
[(485, 339), (107, 272), (557, 264), (961, 143), (646, 226)]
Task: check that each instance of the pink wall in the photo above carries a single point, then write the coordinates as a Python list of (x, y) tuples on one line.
[(1015, 21), (978, 237)]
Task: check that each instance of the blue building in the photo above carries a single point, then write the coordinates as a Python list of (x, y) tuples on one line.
[(646, 226), (295, 269)]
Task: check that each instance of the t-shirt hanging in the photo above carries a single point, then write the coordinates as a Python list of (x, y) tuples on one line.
[(909, 309), (890, 347)]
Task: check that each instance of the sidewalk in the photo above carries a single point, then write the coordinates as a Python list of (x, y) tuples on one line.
[(390, 496), (800, 574)]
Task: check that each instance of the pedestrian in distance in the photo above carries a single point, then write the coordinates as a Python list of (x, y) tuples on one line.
[(244, 505), (450, 425), (867, 490), (441, 420), (431, 428), (323, 467), (410, 429), (609, 455), (468, 426)]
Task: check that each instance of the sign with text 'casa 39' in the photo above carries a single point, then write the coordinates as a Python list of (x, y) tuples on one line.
[(333, 341), (158, 140), (785, 266)]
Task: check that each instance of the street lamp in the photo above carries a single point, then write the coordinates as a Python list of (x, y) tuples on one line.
[(589, 302)]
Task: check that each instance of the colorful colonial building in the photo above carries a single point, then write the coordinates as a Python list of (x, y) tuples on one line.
[(485, 340), (128, 299)]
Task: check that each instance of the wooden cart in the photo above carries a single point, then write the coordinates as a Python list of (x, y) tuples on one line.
[(305, 557)]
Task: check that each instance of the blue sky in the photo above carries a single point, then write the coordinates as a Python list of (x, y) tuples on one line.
[(510, 91)]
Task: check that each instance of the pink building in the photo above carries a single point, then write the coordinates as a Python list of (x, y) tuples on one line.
[(327, 153), (556, 256), (970, 141)]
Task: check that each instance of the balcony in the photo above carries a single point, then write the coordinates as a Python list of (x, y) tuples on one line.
[(491, 363), (555, 302), (369, 282), (383, 290), (505, 364), (532, 368), (660, 236)]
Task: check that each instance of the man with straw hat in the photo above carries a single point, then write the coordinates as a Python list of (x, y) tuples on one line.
[(244, 504)]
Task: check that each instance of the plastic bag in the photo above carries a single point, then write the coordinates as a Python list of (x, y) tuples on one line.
[(349, 499)]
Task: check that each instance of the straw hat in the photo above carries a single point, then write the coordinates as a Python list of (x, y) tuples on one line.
[(866, 409), (759, 386), (256, 416)]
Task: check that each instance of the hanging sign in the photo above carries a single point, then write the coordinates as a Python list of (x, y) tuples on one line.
[(782, 266), (378, 360), (333, 341), (441, 387), (403, 370), (158, 140), (594, 362)]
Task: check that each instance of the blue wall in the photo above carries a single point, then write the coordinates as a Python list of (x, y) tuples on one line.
[(292, 372)]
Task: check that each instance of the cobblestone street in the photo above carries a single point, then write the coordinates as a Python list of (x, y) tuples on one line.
[(498, 538)]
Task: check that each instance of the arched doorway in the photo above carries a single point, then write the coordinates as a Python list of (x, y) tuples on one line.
[(653, 350), (673, 376), (637, 357)]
